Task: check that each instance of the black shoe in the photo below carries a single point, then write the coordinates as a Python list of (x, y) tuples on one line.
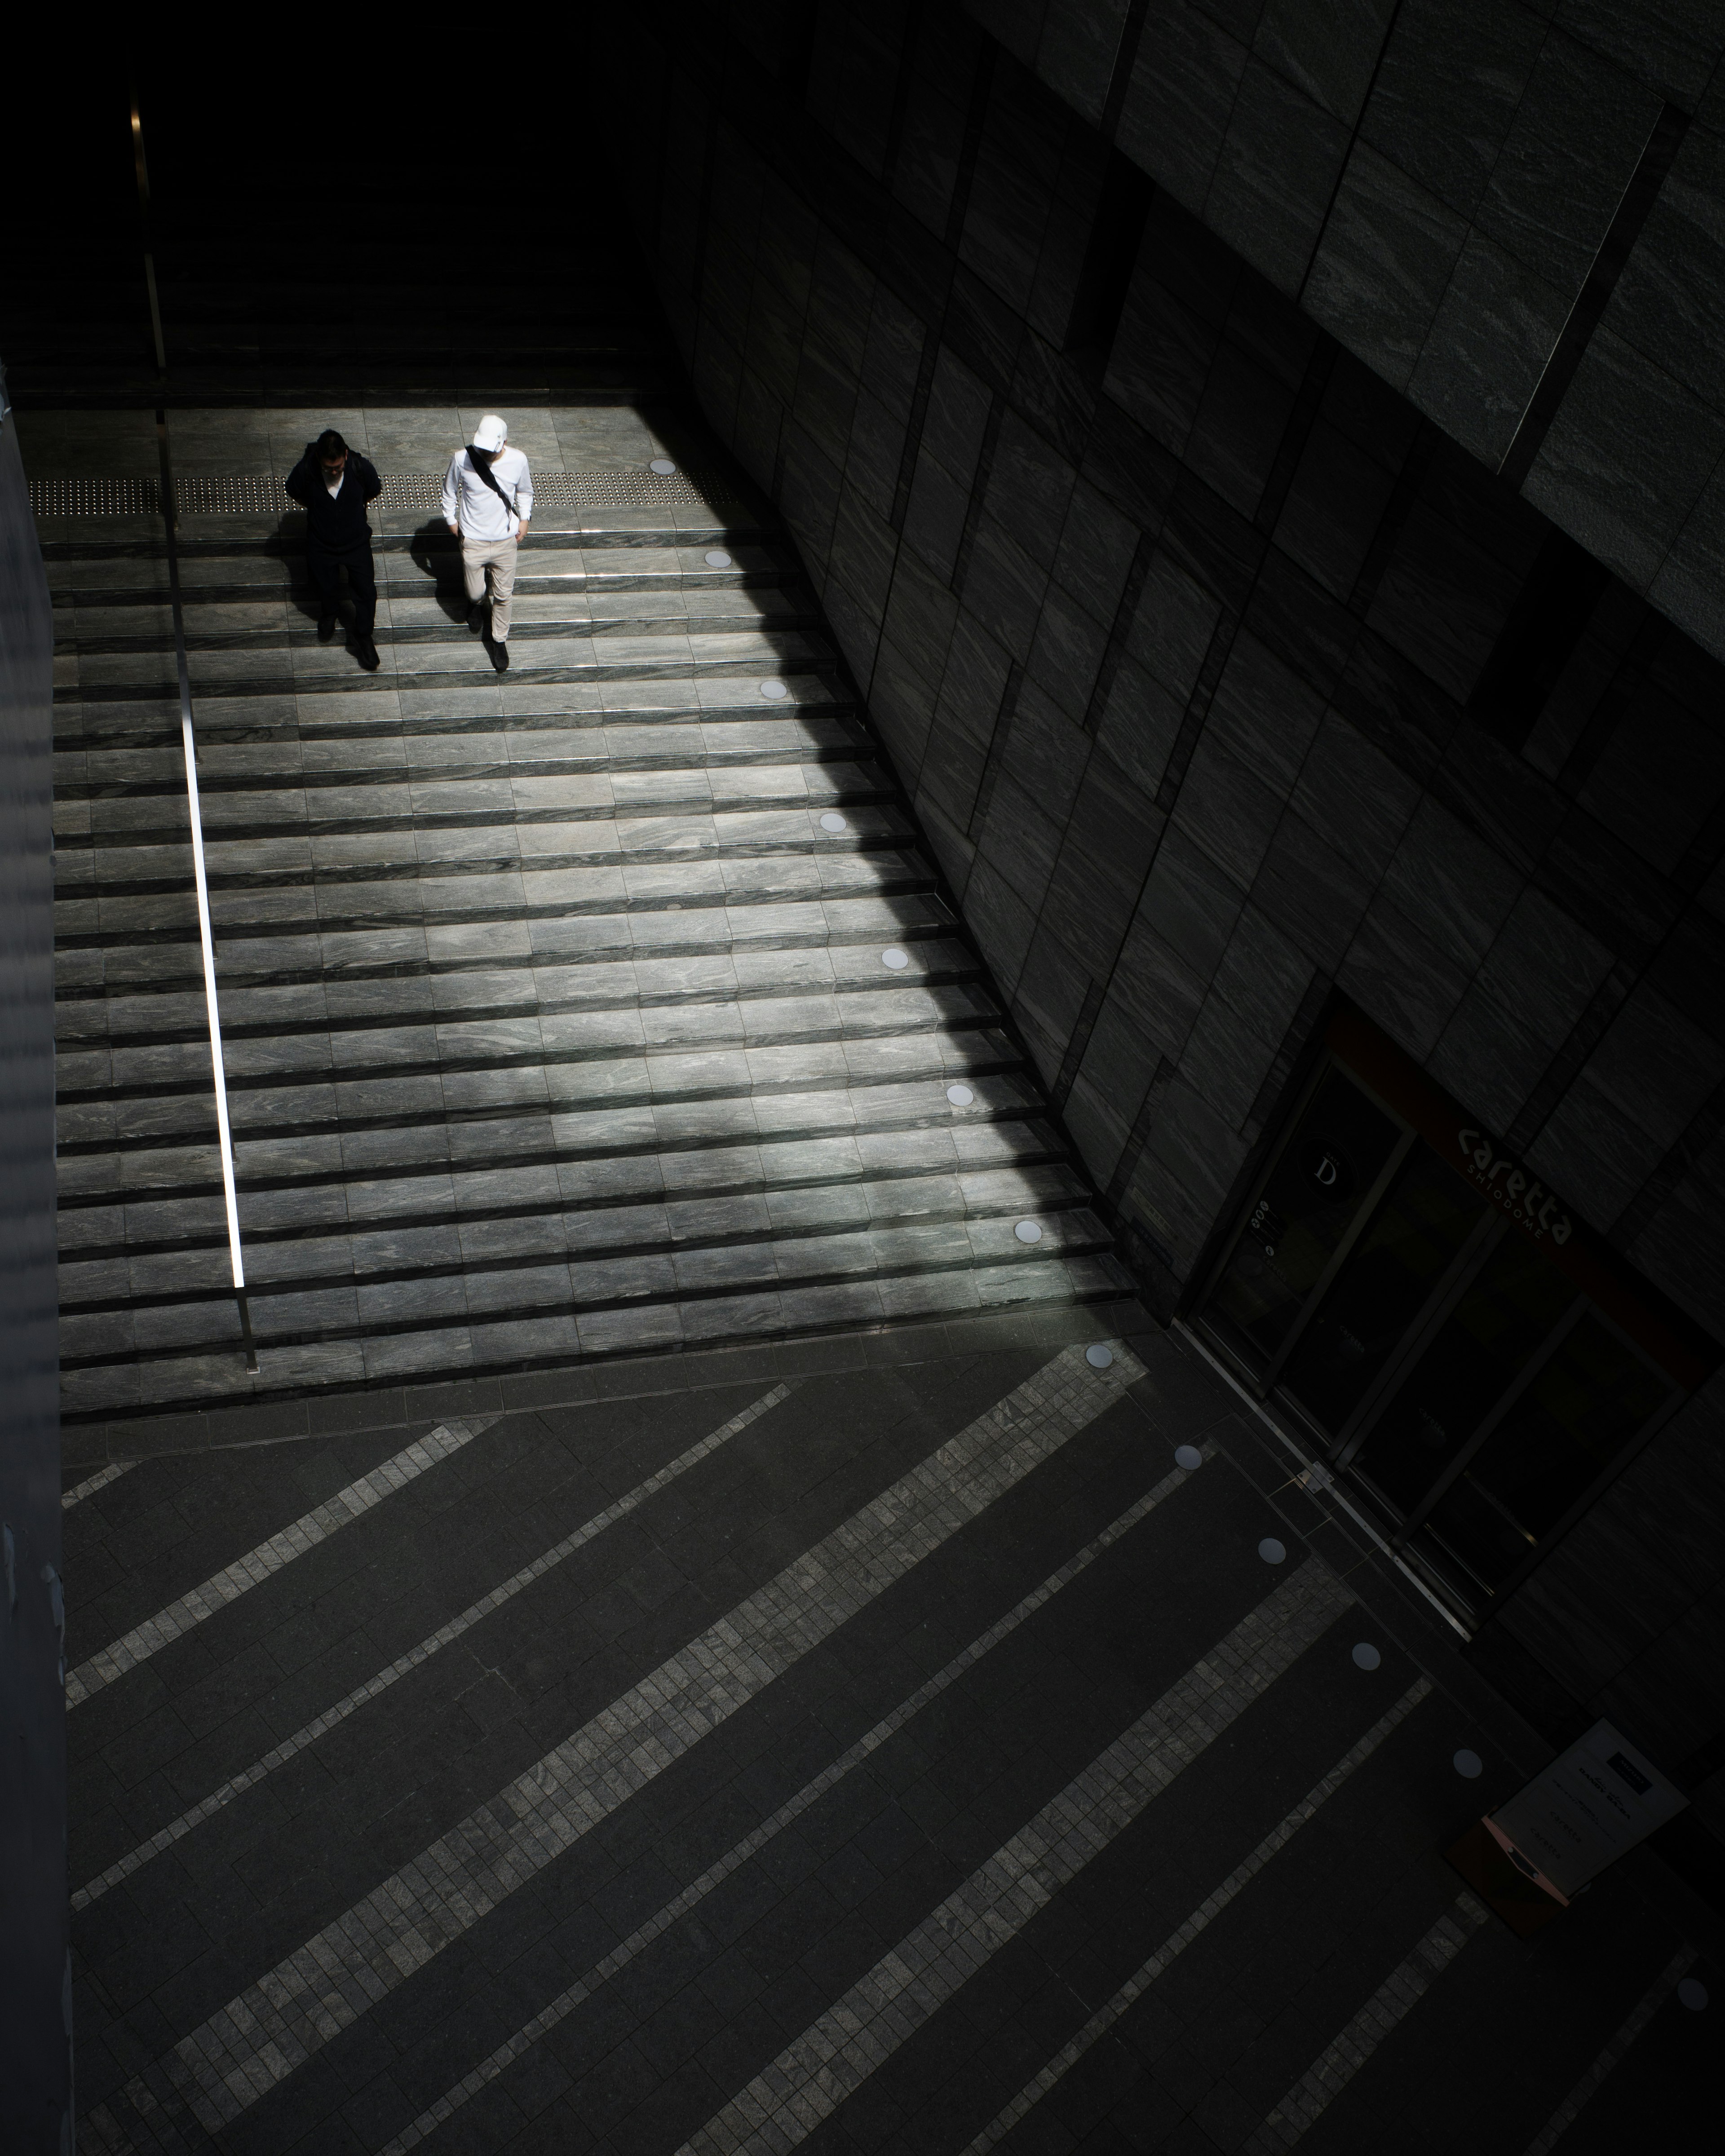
[(500, 657), (367, 653), (477, 616), (326, 628)]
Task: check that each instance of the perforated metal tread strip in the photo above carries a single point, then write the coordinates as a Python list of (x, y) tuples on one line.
[(262, 494)]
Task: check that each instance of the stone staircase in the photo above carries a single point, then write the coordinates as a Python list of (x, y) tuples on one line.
[(610, 1006)]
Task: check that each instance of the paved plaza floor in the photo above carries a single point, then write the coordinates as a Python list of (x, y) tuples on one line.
[(921, 1739)]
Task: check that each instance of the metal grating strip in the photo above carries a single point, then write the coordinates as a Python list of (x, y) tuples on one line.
[(261, 494)]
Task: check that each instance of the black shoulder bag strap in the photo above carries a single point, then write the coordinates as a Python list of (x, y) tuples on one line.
[(486, 473)]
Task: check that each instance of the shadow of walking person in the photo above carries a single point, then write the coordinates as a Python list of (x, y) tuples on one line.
[(436, 553)]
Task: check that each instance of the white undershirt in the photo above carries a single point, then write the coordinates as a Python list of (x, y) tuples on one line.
[(334, 486)]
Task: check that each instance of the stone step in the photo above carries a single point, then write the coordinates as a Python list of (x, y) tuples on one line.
[(675, 738), (753, 1139), (378, 1356), (403, 846), (408, 1277), (110, 1254), (96, 964), (594, 812), (531, 724), (292, 669), (121, 1015), (277, 1029), (596, 1054), (712, 1079), (441, 894), (84, 585), (113, 547)]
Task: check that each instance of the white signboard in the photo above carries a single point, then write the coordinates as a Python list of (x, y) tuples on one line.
[(1598, 1799)]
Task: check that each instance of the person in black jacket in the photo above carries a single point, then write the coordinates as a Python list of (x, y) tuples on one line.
[(335, 483)]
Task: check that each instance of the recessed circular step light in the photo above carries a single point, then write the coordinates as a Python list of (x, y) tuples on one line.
[(1366, 1656), (1271, 1550), (832, 821), (1188, 1457), (961, 1097), (895, 959), (1099, 1357), (1029, 1231), (718, 559), (663, 466), (774, 688)]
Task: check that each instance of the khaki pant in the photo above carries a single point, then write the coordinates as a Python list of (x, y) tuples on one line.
[(499, 553)]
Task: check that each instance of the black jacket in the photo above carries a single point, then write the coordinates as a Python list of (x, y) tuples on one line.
[(336, 522)]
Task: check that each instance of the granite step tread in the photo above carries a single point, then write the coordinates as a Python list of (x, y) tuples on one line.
[(121, 1012), (326, 1297), (1002, 1120), (729, 1036), (288, 622), (475, 1349), (669, 889), (365, 710), (737, 734), (710, 1081), (613, 1057), (418, 1131), (168, 1249), (296, 669), (583, 780), (168, 952)]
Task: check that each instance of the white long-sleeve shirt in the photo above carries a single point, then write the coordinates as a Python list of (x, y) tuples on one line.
[(469, 502)]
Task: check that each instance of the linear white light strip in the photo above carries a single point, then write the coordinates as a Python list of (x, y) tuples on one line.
[(209, 994), (188, 744), (169, 517)]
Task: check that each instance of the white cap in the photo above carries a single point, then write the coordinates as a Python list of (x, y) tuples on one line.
[(491, 433)]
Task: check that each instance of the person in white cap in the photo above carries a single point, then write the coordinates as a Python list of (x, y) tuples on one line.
[(488, 500)]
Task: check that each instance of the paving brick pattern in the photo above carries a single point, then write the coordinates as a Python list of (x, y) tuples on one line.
[(949, 1771), (812, 2078), (1142, 1978), (256, 1566)]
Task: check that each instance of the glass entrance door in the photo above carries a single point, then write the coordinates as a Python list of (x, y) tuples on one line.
[(1404, 1310)]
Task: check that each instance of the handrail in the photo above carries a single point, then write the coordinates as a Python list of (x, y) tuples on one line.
[(188, 744)]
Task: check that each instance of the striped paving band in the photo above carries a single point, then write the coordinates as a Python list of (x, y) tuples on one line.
[(794, 1808), (1570, 2109), (811, 2078), (257, 2039), (1205, 1914), (257, 1565), (363, 1694), (1394, 1999), (88, 1488)]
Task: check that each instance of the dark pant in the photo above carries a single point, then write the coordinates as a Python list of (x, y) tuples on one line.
[(326, 567)]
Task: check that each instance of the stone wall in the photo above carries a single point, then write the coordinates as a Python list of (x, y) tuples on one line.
[(1225, 682), (1513, 211), (35, 1995)]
